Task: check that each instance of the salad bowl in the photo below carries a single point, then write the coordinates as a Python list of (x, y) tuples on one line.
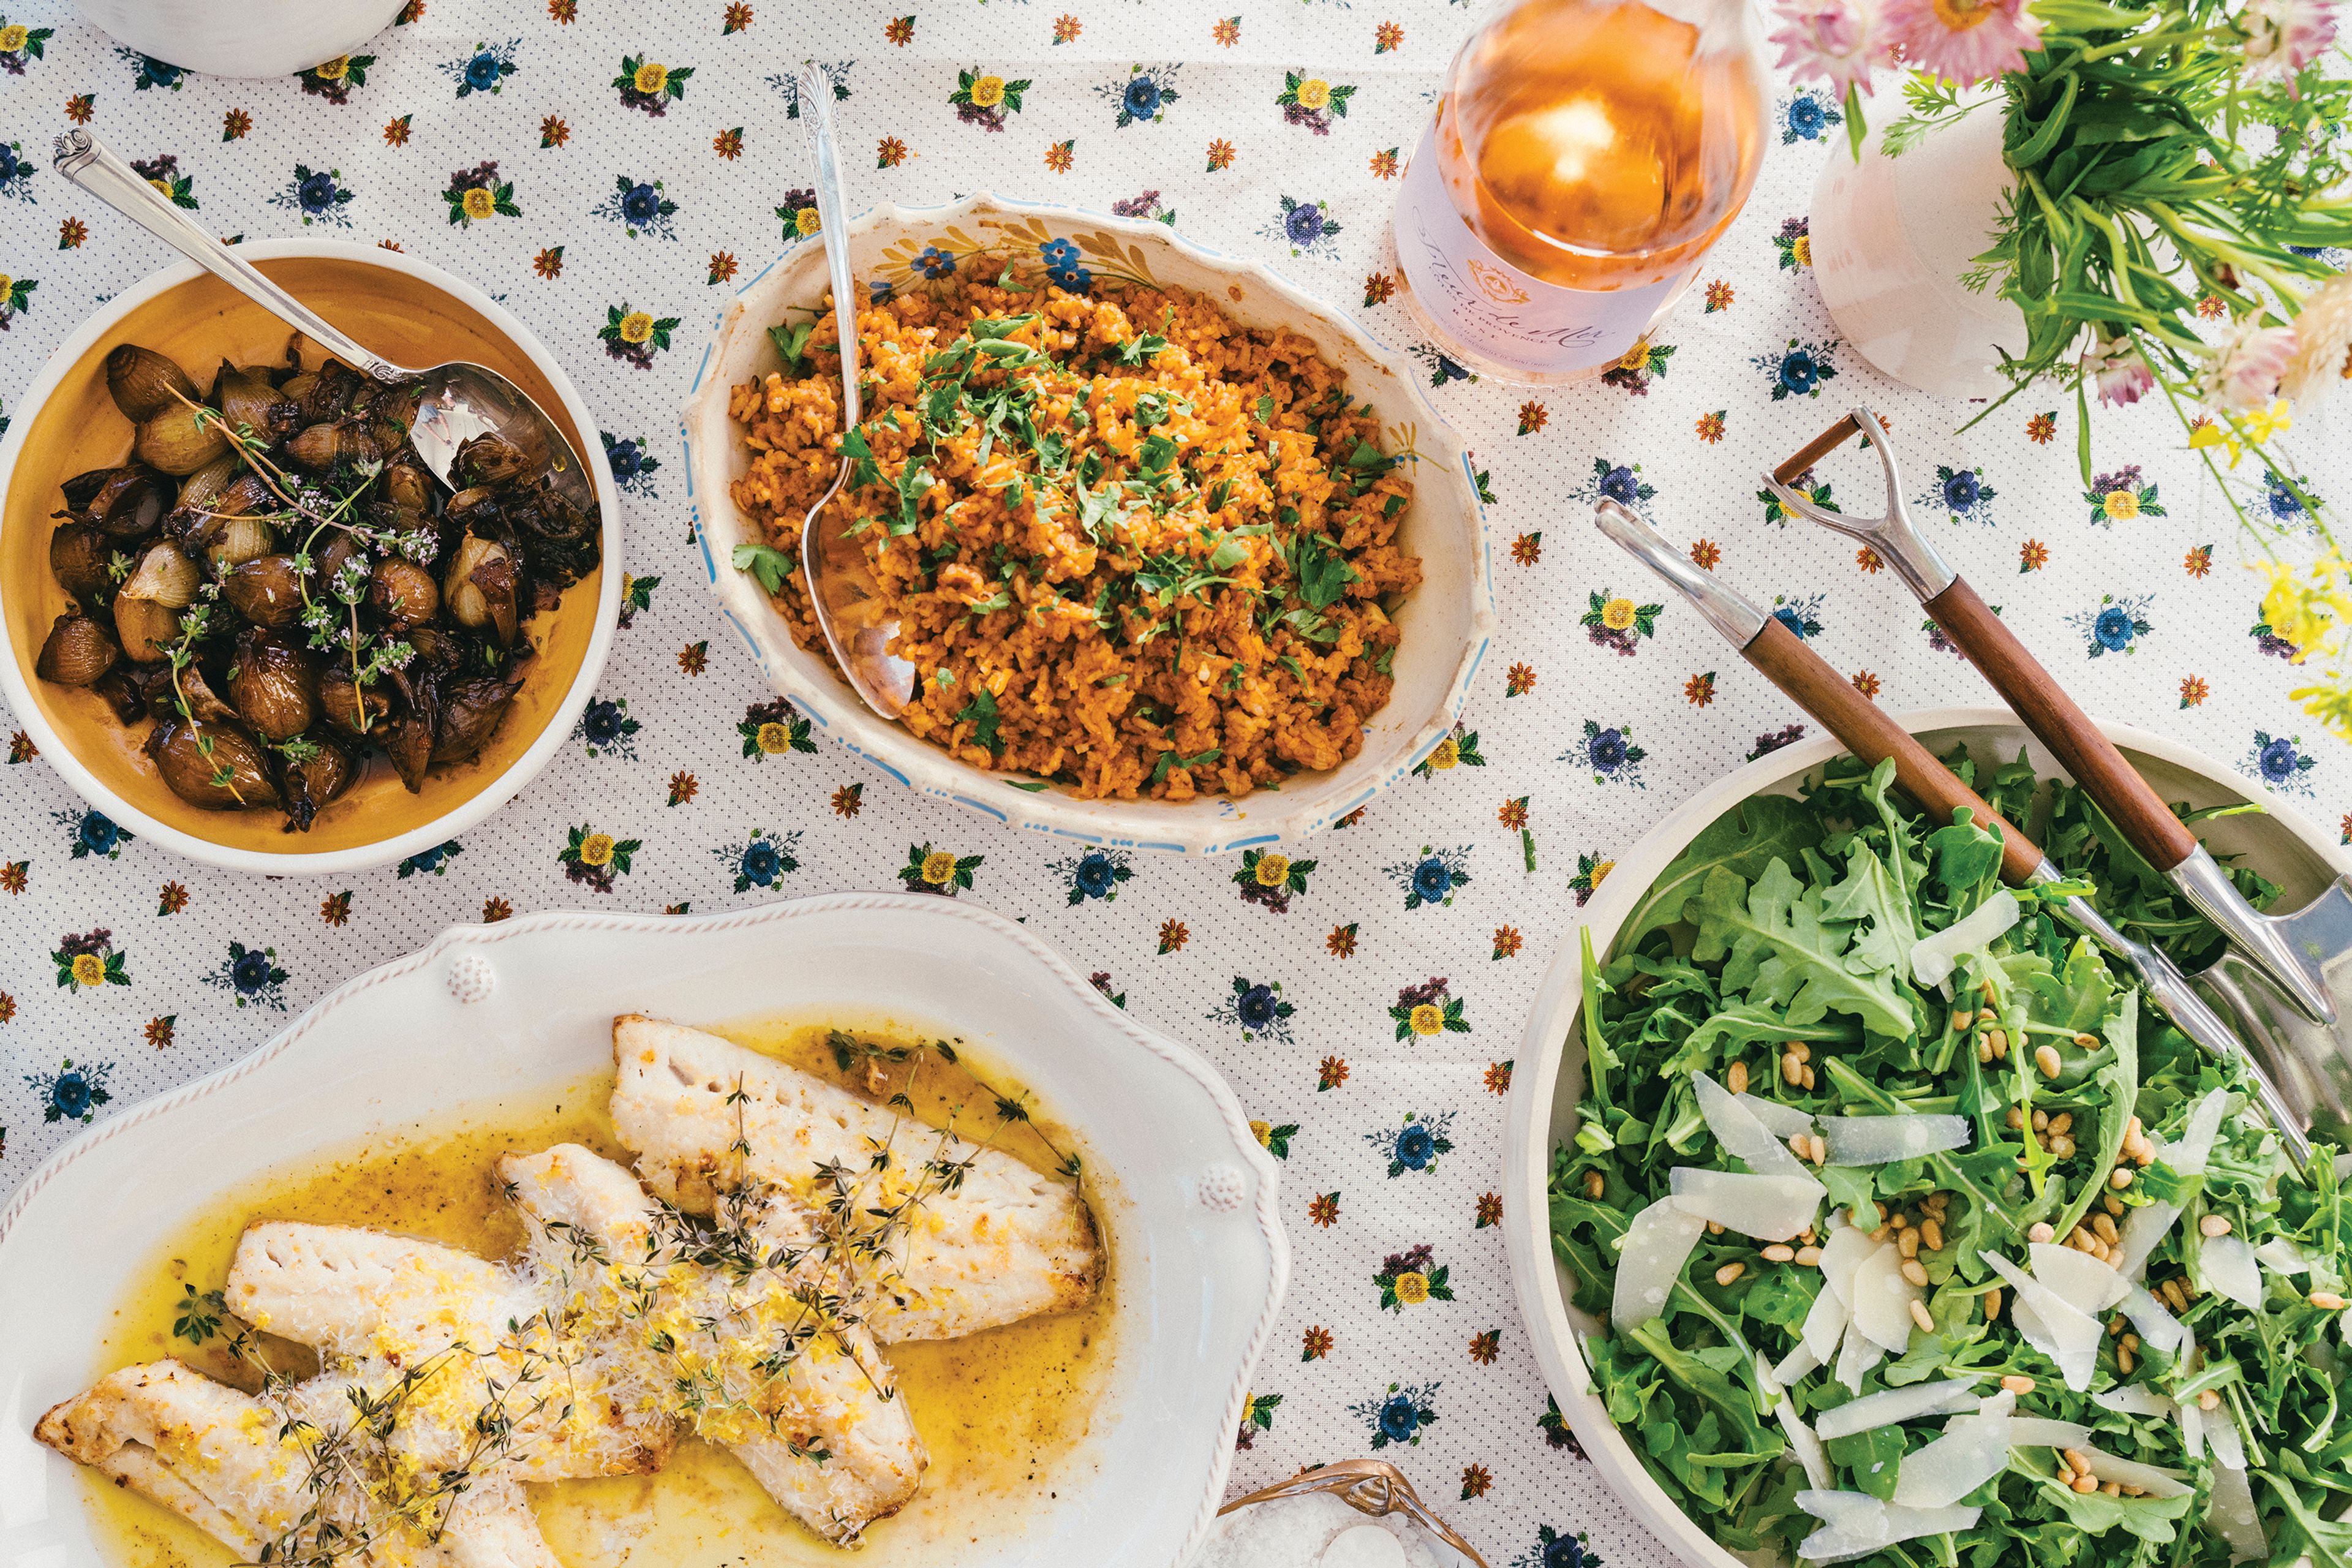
[(1550, 1078)]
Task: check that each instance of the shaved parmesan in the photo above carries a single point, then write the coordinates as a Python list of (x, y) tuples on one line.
[(2086, 1284), (2135, 1399), (2196, 1146), (1805, 1444), (2192, 1430), (1794, 1366), (1972, 1451), (2228, 1449), (2158, 1329), (2229, 1267), (2051, 1325), (2281, 1255), (2045, 1432), (1855, 1358), (1933, 956), (1785, 1121), (1875, 1410), (1824, 1325), (1883, 1140), (1855, 1524), (1770, 1208), (1841, 1255), (1741, 1134), (2149, 1479), (1883, 1297), (2232, 1512), (2143, 1228), (1658, 1242)]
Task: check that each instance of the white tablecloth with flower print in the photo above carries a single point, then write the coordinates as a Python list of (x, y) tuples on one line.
[(592, 200)]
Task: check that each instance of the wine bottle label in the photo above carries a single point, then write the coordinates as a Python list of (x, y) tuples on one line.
[(1512, 317)]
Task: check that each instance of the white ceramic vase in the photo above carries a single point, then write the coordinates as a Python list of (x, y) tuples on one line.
[(1891, 238), (249, 38)]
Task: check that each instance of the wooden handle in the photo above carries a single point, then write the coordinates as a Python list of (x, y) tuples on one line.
[(1872, 734), (1814, 450), (2146, 821)]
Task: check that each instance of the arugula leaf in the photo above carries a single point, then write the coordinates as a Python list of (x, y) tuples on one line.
[(1778, 951), (1743, 840)]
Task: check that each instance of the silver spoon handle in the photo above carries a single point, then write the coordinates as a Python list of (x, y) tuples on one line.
[(96, 168), (817, 115)]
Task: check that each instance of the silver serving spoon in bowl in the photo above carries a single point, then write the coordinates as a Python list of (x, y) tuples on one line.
[(457, 401), (856, 621)]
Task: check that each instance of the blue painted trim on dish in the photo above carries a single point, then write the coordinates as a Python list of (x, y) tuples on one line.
[(982, 805), (709, 349)]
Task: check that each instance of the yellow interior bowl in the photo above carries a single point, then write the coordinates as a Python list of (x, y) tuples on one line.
[(405, 317)]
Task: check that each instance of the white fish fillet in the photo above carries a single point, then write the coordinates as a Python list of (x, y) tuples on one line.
[(215, 1457), (1009, 1244), (375, 1304), (828, 1436)]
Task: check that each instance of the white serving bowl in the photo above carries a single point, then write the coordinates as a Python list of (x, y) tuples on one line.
[(1445, 624), (510, 1012), (412, 313), (1550, 1076)]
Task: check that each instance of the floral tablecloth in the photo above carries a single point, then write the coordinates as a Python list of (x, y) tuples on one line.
[(597, 199)]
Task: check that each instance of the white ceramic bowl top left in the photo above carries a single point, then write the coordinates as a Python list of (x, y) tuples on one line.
[(1186, 1196), (491, 792)]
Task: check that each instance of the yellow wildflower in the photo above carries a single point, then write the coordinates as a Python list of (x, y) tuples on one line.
[(89, 969), (1801, 250), (13, 37), (334, 69), (1635, 359), (987, 91), (1262, 1131), (1428, 1019), (1273, 870), (1412, 1287), (806, 222), (637, 327), (938, 867), (1314, 93), (1617, 614), (596, 849), (651, 78), (775, 739), (479, 203), (1448, 753), (2120, 505)]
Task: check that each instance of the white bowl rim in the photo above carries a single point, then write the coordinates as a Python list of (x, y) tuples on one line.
[(1127, 824), (494, 794), (1266, 1211), (1527, 1135)]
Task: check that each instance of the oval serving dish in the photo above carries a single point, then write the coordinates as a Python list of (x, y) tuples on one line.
[(1446, 623), (411, 312), (1181, 1188), (1550, 1078)]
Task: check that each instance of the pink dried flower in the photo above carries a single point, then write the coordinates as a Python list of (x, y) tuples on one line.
[(1839, 41), (2116, 368), (1964, 41), (2243, 372)]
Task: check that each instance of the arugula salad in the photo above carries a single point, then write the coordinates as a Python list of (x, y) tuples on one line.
[(1921, 1238)]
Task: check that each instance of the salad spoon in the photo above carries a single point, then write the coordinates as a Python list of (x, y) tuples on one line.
[(1871, 733), (457, 401), (844, 596)]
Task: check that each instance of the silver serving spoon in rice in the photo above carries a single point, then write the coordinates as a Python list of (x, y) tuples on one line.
[(856, 620), (457, 401)]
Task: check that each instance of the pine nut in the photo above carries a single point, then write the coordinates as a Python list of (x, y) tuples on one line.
[(2062, 1122), (1961, 1019), (1992, 1304), (1921, 1316), (2085, 1484), (1897, 1221), (2041, 1231), (1799, 1146), (1881, 1234), (1916, 1272), (2130, 1342), (1808, 1076), (1808, 1255), (1736, 1079), (2075, 1461), (1998, 1040), (2113, 1489), (2112, 1204), (1808, 1236), (2208, 1400), (2016, 1116), (2123, 1359), (2115, 1325), (2104, 1228), (1801, 1051), (1792, 1071), (1984, 1054), (2041, 1122), (2173, 1295), (1931, 1235), (1820, 1144), (2325, 1301), (2119, 1178), (2086, 1042), (1779, 1252), (2062, 1147), (1595, 1184), (1729, 1272), (2213, 1224), (1714, 1229), (1907, 1242), (2046, 1059), (2016, 1383)]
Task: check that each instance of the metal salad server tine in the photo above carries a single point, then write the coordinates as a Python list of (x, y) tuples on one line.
[(2306, 956), (1874, 735)]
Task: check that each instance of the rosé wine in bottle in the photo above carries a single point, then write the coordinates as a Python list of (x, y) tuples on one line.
[(1585, 155)]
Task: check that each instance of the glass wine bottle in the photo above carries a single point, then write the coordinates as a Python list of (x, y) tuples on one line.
[(1584, 157)]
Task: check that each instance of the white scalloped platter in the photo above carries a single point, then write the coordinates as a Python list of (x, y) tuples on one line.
[(506, 1015), (1446, 623)]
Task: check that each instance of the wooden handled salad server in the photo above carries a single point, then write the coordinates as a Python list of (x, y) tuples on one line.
[(1872, 734), (2287, 979)]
